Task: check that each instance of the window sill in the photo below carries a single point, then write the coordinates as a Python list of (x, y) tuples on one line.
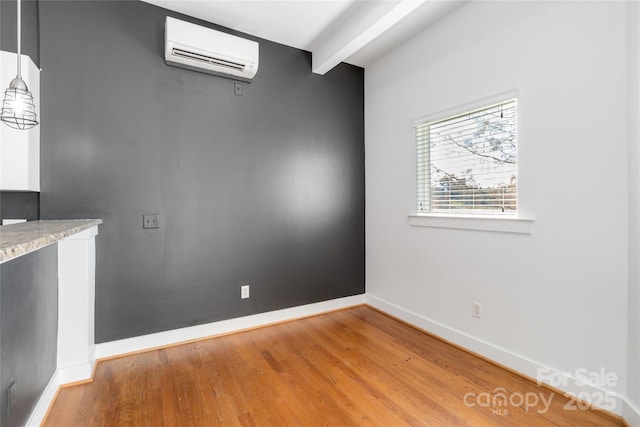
[(500, 224)]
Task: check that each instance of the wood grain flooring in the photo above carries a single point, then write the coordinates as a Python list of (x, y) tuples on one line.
[(355, 367)]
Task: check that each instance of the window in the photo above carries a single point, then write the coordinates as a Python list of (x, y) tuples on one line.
[(467, 164)]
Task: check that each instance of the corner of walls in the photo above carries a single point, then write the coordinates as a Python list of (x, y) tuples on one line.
[(633, 119)]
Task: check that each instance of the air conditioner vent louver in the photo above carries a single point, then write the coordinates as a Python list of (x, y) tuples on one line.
[(207, 59), (209, 51)]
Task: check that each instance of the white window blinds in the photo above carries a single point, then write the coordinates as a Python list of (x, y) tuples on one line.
[(468, 163)]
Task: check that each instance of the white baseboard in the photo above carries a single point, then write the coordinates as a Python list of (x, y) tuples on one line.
[(514, 361), (618, 404), (73, 374), (631, 414), (46, 398), (175, 336)]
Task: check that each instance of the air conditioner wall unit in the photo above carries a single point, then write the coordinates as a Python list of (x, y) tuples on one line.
[(209, 51)]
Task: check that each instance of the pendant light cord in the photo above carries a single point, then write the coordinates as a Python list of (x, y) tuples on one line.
[(18, 6)]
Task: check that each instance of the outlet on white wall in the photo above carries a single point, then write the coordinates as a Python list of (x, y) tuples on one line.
[(476, 310)]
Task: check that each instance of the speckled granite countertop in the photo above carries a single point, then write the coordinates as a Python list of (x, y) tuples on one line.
[(19, 239)]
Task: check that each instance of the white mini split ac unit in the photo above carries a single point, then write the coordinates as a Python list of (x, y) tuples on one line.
[(209, 51)]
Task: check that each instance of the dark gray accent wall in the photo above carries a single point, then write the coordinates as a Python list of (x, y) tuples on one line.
[(28, 330), (19, 205), (30, 29), (265, 188)]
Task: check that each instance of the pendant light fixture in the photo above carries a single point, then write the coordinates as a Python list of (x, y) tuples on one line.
[(18, 110)]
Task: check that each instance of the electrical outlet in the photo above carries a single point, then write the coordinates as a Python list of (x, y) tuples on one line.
[(11, 397), (244, 291), (476, 310), (151, 221)]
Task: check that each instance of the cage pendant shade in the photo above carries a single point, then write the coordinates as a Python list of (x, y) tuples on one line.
[(18, 109)]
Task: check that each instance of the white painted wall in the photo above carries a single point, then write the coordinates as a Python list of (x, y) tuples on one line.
[(556, 297), (633, 114)]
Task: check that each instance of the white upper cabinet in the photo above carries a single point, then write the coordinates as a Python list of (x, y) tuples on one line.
[(20, 149)]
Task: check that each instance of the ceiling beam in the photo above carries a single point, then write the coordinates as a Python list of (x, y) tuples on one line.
[(355, 29)]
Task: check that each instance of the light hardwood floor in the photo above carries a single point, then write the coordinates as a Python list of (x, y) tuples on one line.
[(355, 367)]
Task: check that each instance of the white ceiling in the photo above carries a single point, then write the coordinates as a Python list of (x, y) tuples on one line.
[(353, 31)]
